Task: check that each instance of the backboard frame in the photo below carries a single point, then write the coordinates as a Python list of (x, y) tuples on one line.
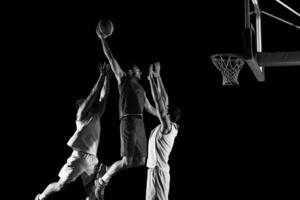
[(255, 57)]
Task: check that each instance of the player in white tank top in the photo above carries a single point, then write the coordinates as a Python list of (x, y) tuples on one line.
[(161, 140)]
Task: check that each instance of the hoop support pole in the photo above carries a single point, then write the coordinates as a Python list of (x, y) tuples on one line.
[(288, 7)]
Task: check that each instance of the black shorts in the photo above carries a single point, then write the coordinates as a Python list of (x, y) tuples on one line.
[(133, 137)]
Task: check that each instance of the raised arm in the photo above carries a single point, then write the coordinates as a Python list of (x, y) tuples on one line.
[(160, 105), (86, 108), (149, 107), (154, 90), (160, 85), (105, 90), (118, 72)]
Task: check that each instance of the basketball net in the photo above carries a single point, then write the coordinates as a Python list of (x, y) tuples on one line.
[(229, 65)]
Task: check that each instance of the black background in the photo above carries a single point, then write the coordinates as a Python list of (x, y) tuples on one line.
[(233, 142)]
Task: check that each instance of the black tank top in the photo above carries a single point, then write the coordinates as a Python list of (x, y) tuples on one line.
[(132, 97)]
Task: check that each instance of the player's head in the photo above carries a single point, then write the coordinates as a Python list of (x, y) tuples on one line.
[(135, 71), (174, 113)]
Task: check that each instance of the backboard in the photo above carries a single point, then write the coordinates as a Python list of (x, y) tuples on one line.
[(256, 58)]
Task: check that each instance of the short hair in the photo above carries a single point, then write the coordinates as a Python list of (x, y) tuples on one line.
[(174, 112)]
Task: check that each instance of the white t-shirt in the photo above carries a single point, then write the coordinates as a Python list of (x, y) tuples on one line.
[(86, 138), (160, 146)]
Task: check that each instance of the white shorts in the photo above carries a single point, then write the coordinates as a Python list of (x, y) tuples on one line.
[(158, 184), (78, 163)]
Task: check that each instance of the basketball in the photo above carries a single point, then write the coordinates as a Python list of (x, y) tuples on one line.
[(106, 27)]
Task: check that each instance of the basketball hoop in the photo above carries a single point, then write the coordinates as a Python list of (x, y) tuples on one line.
[(229, 65)]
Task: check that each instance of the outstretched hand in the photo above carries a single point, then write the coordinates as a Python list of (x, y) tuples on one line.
[(99, 33), (157, 70), (104, 69), (150, 74)]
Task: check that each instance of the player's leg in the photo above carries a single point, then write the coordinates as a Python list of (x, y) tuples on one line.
[(162, 183), (89, 176), (128, 140), (102, 181), (141, 150), (116, 167), (150, 185), (52, 188), (68, 173)]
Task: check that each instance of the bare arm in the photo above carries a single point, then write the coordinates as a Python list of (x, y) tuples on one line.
[(106, 86), (154, 89), (149, 107), (118, 72), (159, 103), (89, 103), (160, 85), (105, 91)]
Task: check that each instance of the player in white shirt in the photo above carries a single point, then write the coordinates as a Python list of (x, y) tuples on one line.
[(161, 140), (84, 142)]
